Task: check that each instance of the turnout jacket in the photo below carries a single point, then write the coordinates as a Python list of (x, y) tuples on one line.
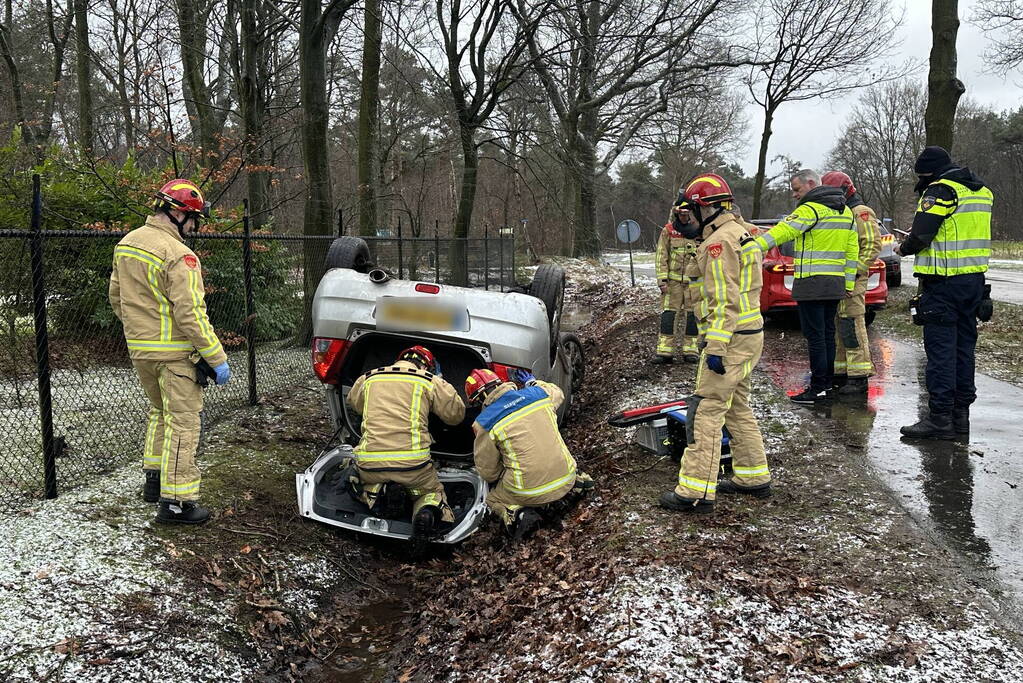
[(673, 254), (157, 292), (395, 403), (867, 232), (730, 265), (518, 442)]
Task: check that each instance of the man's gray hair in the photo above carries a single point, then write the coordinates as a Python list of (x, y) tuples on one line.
[(806, 175)]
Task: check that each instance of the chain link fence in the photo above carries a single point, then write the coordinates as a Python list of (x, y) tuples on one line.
[(70, 403)]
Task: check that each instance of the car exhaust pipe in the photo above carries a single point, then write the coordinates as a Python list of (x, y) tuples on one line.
[(379, 276)]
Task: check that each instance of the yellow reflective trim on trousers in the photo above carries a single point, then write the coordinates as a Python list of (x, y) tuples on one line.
[(148, 456), (751, 471), (697, 484), (188, 487), (545, 488), (168, 433), (205, 329)]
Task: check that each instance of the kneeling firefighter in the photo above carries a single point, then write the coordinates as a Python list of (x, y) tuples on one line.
[(395, 402), (730, 263), (518, 447)]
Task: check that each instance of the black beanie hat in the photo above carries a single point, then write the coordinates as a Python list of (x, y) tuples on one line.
[(932, 160)]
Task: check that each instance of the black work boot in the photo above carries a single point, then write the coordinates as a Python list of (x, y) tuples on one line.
[(691, 357), (760, 491), (854, 386), (662, 360), (583, 481), (838, 381), (697, 506), (425, 520), (961, 420), (181, 512), (527, 521), (933, 427), (151, 490), (809, 396)]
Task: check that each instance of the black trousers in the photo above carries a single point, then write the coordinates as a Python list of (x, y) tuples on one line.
[(817, 318), (949, 308)]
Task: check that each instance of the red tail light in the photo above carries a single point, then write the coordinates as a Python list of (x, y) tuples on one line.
[(780, 268), (502, 370), (427, 288), (328, 355)]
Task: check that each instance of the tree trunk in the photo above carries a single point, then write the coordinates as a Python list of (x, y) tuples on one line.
[(943, 88), (319, 200), (758, 179), (84, 71), (369, 119), (193, 59), (253, 106), (587, 240), (466, 199)]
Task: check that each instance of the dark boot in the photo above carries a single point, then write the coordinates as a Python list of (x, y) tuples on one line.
[(854, 386), (527, 521), (662, 360), (583, 481), (838, 381), (425, 520), (729, 486), (697, 506), (809, 396), (151, 490), (933, 427), (181, 512), (961, 420), (691, 357)]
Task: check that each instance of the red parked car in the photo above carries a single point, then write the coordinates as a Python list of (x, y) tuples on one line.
[(776, 296)]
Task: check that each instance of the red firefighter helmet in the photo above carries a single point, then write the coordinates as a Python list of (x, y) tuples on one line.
[(841, 180), (479, 382), (183, 195), (419, 355), (706, 189)]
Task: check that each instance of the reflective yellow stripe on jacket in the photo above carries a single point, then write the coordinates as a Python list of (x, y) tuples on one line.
[(963, 242), (499, 433)]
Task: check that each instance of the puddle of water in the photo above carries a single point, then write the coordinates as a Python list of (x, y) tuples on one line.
[(970, 493), (363, 651)]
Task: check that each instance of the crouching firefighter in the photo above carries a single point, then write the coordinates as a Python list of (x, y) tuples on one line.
[(518, 448), (157, 292), (395, 402), (729, 262), (673, 255)]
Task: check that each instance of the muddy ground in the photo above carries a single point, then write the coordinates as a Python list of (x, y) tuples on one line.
[(828, 580)]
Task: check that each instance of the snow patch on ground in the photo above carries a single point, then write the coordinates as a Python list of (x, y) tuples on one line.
[(83, 593)]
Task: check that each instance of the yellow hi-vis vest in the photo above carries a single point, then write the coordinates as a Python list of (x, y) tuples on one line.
[(963, 242), (826, 242)]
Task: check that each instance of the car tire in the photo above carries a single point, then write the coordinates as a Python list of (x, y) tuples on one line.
[(349, 252), (548, 286), (575, 359), (869, 316), (893, 279)]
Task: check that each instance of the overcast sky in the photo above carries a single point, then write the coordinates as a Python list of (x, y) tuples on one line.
[(806, 131)]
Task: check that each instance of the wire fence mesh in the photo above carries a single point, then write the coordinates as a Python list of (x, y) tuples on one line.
[(57, 329)]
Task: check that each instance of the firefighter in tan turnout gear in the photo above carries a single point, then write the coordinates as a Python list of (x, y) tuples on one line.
[(673, 256), (852, 349), (156, 290), (395, 402), (729, 261), (519, 448)]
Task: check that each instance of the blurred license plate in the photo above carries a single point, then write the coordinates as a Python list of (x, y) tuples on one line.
[(788, 281), (420, 313)]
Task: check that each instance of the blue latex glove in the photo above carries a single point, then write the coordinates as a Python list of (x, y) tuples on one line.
[(223, 373), (716, 363), (436, 369), (523, 377)]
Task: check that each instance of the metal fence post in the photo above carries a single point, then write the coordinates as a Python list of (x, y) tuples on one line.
[(500, 255), (42, 342), (512, 258), (486, 256), (401, 260), (340, 223), (250, 303), (436, 252)]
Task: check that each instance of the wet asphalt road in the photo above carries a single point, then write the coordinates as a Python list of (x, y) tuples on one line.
[(1006, 285), (967, 493)]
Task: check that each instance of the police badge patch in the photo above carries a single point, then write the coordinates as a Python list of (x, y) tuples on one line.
[(926, 203)]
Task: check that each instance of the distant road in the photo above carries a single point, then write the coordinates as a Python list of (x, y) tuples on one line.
[(1006, 285)]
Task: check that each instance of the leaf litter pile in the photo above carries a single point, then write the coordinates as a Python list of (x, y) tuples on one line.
[(826, 580)]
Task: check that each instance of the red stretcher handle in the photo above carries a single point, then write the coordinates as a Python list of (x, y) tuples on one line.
[(628, 418)]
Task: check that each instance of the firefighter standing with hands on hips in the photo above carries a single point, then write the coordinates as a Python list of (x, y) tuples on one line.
[(852, 348), (673, 256), (518, 447), (730, 262), (395, 402), (157, 292)]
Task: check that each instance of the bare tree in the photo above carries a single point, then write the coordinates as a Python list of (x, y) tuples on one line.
[(83, 64), (943, 87), (814, 49), (369, 101), (1003, 22), (208, 103)]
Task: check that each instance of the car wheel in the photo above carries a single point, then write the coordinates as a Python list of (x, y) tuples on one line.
[(549, 287), (575, 360), (869, 316), (348, 252), (893, 279)]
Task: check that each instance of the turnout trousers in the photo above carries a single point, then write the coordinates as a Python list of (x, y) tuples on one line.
[(422, 485), (505, 502), (950, 339), (852, 348), (675, 301), (172, 431), (723, 401)]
